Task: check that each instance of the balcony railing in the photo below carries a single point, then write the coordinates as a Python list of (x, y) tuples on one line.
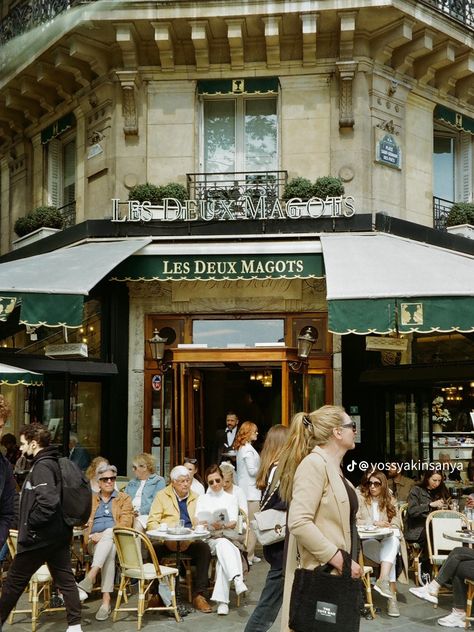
[(460, 10), (232, 186), (441, 210), (68, 211), (27, 14)]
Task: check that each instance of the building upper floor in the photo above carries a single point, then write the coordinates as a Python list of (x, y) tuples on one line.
[(97, 97)]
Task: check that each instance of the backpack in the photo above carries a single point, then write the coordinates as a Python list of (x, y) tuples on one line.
[(76, 493)]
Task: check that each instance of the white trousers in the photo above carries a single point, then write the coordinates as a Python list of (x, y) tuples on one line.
[(228, 565), (104, 558), (385, 550)]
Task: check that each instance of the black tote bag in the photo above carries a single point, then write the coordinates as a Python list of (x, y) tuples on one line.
[(321, 602)]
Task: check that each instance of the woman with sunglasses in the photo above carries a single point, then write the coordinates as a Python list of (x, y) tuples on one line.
[(378, 508), (218, 512), (322, 503), (110, 509), (192, 466), (143, 488)]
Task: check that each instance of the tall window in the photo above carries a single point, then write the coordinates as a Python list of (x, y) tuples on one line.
[(452, 166), (62, 171), (239, 134)]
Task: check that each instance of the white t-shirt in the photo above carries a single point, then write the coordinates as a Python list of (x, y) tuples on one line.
[(211, 501), (137, 499), (197, 487)]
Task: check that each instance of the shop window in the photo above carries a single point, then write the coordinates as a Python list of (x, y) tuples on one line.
[(239, 134), (246, 332)]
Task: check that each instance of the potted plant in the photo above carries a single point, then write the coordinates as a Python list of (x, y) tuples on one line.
[(460, 220), (156, 194), (328, 186), (441, 415), (298, 188), (40, 222)]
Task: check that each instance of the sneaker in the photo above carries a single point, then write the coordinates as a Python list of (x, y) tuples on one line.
[(382, 586), (222, 608), (82, 593), (86, 585), (392, 607), (103, 613), (254, 560), (453, 620), (240, 586), (422, 593)]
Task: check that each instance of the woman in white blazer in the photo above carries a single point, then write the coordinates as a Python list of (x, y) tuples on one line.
[(248, 464)]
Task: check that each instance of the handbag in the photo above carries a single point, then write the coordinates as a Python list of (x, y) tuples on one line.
[(323, 602), (269, 526)]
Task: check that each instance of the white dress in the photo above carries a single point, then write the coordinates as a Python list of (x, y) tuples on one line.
[(229, 562)]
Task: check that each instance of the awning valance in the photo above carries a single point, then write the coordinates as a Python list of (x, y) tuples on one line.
[(380, 283), (50, 287), (14, 376)]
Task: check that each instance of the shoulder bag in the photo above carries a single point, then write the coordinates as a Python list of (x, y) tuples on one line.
[(269, 525), (324, 602)]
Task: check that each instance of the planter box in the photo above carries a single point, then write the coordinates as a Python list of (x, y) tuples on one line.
[(465, 230), (36, 235)]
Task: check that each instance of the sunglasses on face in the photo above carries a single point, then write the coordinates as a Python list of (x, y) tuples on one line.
[(108, 479), (352, 425), (215, 481), (374, 483)]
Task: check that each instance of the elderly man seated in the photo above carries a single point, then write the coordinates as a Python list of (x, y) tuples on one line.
[(177, 502)]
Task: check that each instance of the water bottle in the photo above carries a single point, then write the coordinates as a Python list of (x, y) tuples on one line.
[(455, 504)]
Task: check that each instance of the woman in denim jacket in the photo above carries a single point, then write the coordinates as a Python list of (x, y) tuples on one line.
[(143, 488)]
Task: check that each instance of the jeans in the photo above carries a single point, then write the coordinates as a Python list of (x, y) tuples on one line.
[(268, 607), (458, 566), (25, 564)]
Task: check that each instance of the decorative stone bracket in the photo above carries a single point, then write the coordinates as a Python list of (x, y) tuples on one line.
[(128, 82), (346, 71)]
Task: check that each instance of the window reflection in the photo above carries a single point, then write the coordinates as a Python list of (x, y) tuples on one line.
[(222, 333)]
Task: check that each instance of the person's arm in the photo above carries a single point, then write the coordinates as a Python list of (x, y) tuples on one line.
[(416, 508), (252, 462), (125, 518), (7, 504), (47, 496), (156, 514)]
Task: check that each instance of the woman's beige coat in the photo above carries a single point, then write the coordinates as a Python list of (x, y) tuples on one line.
[(364, 516), (318, 519)]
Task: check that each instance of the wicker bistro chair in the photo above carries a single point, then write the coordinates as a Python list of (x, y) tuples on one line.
[(470, 596), (413, 548), (129, 543), (39, 588)]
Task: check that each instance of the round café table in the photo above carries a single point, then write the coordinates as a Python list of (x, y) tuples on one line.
[(173, 535), (467, 538)]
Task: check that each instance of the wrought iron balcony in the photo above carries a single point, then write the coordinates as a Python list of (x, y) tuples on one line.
[(68, 211), (460, 10), (441, 210), (232, 186)]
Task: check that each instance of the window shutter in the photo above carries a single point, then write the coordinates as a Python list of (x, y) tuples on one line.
[(54, 172), (466, 166), (69, 172)]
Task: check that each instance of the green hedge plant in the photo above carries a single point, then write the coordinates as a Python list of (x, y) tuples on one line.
[(328, 186), (298, 188), (40, 217), (155, 194), (461, 213)]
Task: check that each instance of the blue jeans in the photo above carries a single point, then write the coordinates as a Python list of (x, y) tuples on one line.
[(267, 609)]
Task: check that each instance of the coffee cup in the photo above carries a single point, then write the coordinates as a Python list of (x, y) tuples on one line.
[(162, 526), (200, 528)]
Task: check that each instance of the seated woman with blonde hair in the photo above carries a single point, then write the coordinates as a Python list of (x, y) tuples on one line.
[(143, 488), (378, 508)]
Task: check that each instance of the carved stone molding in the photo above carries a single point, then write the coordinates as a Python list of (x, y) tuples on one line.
[(128, 82), (346, 71)]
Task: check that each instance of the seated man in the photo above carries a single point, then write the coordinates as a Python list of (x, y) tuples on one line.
[(177, 502), (110, 509)]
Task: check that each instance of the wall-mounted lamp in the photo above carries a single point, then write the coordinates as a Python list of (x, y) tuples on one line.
[(157, 351), (306, 339), (196, 383)]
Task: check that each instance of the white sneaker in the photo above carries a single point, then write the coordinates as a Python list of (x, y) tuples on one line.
[(222, 608), (422, 593), (240, 586), (453, 620), (254, 560)]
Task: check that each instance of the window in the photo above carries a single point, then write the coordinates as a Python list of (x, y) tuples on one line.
[(452, 165), (247, 332), (239, 134), (61, 165)]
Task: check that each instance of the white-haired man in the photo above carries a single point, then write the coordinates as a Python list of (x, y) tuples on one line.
[(178, 502)]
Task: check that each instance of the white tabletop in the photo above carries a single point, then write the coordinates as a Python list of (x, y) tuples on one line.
[(177, 537), (465, 538), (374, 534)]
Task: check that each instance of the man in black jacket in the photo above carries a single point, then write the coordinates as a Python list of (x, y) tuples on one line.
[(43, 536)]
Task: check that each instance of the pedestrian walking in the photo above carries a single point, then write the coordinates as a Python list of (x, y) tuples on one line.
[(43, 535)]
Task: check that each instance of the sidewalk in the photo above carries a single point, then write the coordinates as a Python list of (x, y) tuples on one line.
[(416, 615)]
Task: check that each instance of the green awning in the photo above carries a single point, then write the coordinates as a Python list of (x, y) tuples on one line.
[(13, 376), (456, 119), (219, 267), (50, 288), (380, 283), (250, 85)]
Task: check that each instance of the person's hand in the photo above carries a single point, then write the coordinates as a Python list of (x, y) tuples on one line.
[(217, 525), (382, 523), (356, 570), (338, 561), (438, 504), (469, 501), (95, 537)]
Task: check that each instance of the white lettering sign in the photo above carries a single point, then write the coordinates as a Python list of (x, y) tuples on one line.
[(244, 208)]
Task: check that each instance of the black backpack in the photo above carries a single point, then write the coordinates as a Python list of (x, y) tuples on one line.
[(76, 493)]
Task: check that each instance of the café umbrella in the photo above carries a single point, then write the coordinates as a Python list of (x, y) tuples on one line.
[(14, 376)]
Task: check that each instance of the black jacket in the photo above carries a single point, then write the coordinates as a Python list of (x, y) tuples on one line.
[(41, 520), (273, 553), (7, 499)]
